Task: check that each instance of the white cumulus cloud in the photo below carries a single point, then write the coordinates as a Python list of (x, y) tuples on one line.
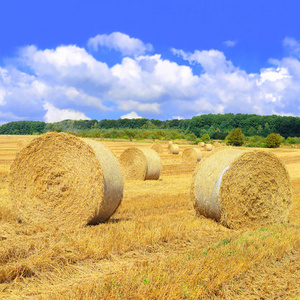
[(131, 115), (54, 114), (212, 61), (66, 64), (120, 42), (70, 77), (149, 78), (271, 74)]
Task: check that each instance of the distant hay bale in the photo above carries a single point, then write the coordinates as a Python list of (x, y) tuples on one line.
[(217, 145), (208, 147), (242, 188), (173, 149), (23, 142), (61, 180), (201, 144), (191, 155), (157, 147), (140, 164), (170, 142)]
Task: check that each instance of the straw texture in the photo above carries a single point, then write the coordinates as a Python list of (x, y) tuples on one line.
[(242, 188), (61, 180), (157, 147), (140, 164), (201, 144), (191, 155)]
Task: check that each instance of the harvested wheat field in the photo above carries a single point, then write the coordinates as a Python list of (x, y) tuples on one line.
[(153, 247)]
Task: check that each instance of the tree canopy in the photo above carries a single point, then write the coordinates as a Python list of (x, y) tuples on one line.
[(235, 137), (273, 140), (217, 126)]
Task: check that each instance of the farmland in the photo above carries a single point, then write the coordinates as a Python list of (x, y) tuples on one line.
[(153, 247)]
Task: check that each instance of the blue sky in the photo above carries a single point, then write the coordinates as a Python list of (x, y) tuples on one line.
[(154, 59)]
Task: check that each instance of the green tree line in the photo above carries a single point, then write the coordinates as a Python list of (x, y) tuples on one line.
[(217, 126), (23, 127)]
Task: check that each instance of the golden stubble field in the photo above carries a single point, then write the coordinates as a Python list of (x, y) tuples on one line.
[(154, 247)]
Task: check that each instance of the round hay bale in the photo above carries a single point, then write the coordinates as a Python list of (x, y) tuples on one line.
[(201, 144), (242, 188), (61, 180), (217, 145), (25, 141), (140, 164), (208, 147), (157, 147), (191, 155), (173, 149)]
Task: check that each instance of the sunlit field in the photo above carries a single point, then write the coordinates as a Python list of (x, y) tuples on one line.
[(153, 247)]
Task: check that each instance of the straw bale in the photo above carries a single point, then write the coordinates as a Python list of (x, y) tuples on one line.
[(242, 188), (217, 145), (173, 149), (191, 155), (201, 144), (61, 180), (23, 142), (140, 164), (208, 147), (157, 147)]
